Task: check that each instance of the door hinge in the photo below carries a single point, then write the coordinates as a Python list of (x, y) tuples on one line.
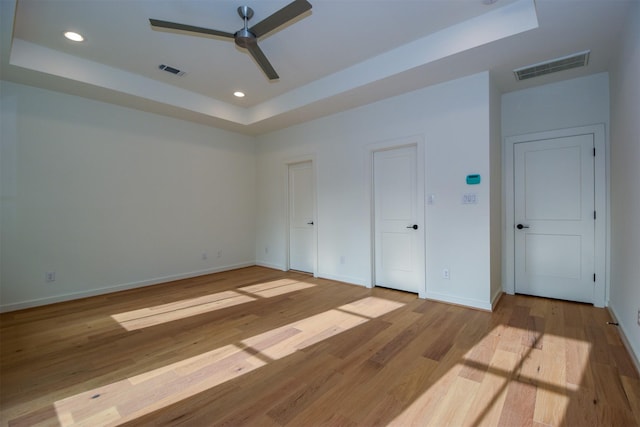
[(594, 214), (594, 152), (594, 277)]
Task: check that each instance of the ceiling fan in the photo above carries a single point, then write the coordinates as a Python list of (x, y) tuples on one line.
[(248, 37)]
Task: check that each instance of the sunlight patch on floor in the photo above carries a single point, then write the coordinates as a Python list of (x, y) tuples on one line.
[(276, 287), (176, 310), (480, 380), (141, 394)]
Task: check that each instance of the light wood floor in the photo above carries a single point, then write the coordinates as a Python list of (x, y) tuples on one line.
[(266, 348)]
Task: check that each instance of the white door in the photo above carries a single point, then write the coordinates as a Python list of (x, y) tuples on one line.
[(301, 221), (398, 225), (554, 217)]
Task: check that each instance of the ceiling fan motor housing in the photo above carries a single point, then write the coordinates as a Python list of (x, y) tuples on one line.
[(244, 37)]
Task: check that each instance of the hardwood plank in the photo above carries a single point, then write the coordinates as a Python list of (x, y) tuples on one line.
[(420, 410), (519, 405), (454, 406), (413, 380), (608, 387), (600, 351), (578, 352), (623, 362), (552, 396), (348, 342), (304, 396), (478, 327), (488, 403), (452, 325), (397, 343), (510, 338), (586, 410), (481, 354), (632, 390)]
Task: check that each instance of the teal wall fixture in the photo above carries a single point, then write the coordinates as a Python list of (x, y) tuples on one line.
[(473, 179)]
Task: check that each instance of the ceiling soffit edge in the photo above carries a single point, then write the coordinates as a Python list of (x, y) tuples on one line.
[(497, 24)]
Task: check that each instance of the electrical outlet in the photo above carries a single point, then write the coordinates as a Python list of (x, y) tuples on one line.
[(204, 256), (639, 317), (446, 274), (470, 199), (266, 249), (219, 254), (342, 259), (50, 276)]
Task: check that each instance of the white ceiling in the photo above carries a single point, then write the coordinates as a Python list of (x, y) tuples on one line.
[(341, 54)]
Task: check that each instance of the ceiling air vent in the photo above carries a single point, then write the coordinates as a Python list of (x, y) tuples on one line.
[(559, 64), (171, 70)]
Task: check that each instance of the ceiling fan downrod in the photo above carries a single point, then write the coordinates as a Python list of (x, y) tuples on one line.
[(244, 37)]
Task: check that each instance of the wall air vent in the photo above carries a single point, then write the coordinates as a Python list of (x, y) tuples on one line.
[(559, 64), (171, 70)]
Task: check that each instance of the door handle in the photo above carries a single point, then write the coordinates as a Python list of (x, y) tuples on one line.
[(414, 226), (310, 223), (520, 226)]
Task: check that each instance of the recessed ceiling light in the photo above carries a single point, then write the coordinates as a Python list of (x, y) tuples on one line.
[(238, 94), (489, 2), (73, 36)]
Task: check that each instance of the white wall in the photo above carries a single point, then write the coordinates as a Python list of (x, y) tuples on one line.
[(497, 220), (570, 103), (111, 198), (625, 180), (453, 121)]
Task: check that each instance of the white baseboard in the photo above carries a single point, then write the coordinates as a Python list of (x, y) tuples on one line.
[(344, 279), (271, 265), (466, 302), (496, 298), (115, 288), (634, 357)]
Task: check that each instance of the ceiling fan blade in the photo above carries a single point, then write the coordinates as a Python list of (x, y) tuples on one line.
[(262, 60), (284, 15), (175, 26)]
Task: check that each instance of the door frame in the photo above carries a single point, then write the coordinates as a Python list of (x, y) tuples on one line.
[(371, 149), (601, 285), (289, 162)]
